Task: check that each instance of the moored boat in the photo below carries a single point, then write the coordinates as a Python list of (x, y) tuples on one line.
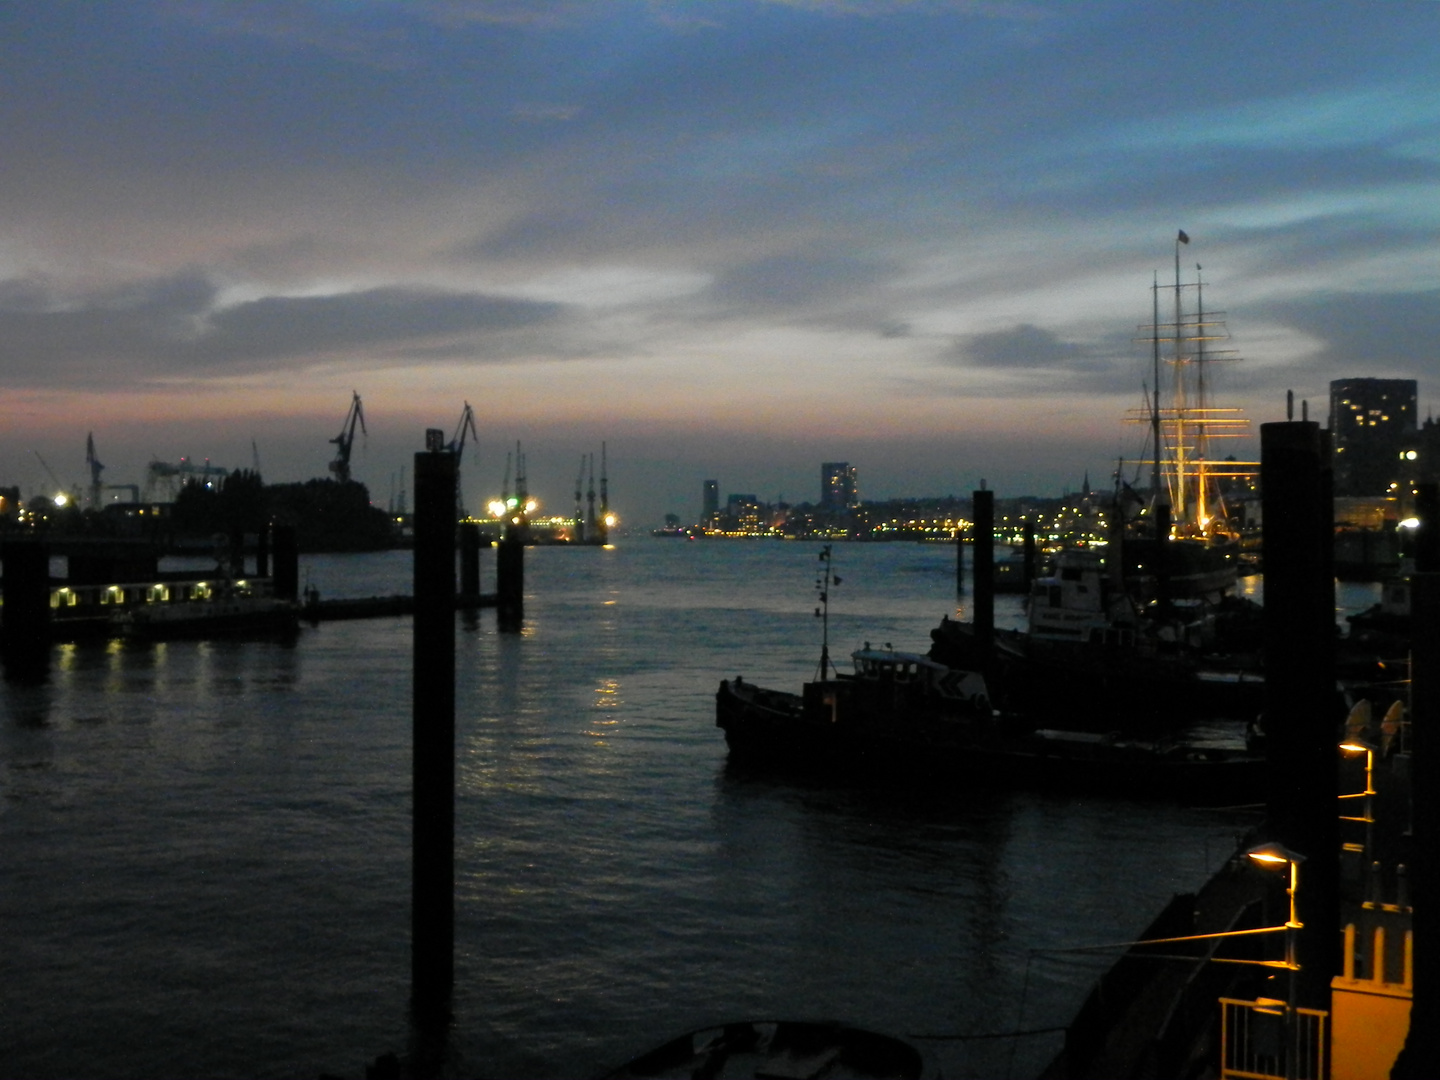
[(883, 725), (229, 612)]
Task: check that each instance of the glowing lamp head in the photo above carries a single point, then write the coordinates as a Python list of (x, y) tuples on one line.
[(497, 509), (61, 499), (1274, 855), (1356, 746)]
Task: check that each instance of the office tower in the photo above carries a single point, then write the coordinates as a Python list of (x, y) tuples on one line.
[(1372, 423), (837, 486)]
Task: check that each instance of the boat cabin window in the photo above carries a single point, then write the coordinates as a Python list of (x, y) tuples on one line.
[(1055, 600), (1070, 573)]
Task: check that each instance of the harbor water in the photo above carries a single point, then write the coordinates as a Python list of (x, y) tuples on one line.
[(204, 846)]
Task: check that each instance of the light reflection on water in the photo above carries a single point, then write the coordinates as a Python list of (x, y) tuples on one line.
[(204, 866)]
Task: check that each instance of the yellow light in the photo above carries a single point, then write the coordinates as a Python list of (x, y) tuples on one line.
[(531, 506), (61, 499), (496, 508), (611, 520)]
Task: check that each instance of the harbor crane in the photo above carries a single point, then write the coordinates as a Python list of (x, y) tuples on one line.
[(579, 511), (457, 447), (346, 439)]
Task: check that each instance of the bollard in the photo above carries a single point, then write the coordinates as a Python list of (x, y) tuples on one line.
[(433, 704)]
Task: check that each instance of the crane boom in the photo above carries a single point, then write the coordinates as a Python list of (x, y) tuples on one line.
[(466, 425), (346, 439)]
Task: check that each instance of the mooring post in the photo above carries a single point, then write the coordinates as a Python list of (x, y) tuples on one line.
[(470, 563), (510, 582), (262, 551), (26, 591), (1029, 533), (959, 563), (432, 919), (1161, 567), (1422, 1043), (984, 506), (286, 581), (1302, 710)]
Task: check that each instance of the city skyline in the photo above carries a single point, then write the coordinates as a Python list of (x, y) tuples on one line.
[(727, 241)]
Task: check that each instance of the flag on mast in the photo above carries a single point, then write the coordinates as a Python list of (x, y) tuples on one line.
[(1183, 238)]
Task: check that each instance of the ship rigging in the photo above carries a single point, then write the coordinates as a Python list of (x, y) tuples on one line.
[(1184, 471)]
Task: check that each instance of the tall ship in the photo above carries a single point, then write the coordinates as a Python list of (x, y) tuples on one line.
[(1190, 502)]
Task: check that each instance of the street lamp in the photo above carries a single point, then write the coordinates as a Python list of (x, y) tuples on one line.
[(1360, 746), (1273, 856)]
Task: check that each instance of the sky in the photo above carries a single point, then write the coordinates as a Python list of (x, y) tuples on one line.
[(721, 239)]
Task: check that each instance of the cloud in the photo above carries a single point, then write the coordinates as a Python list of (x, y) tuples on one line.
[(173, 326), (1385, 334), (1033, 353)]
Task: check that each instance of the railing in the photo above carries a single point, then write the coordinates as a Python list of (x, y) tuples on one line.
[(1253, 1038)]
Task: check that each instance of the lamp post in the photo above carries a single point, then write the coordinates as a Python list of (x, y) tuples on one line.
[(1359, 746), (1273, 856)]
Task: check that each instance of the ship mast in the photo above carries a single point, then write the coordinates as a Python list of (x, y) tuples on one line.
[(1181, 406)]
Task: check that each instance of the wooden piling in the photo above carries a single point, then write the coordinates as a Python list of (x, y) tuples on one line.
[(286, 580), (1422, 1043), (262, 551), (984, 507), (1303, 714), (959, 563), (432, 919), (25, 642), (510, 583), (1028, 528), (470, 562)]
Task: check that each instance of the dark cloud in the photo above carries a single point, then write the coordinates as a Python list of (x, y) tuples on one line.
[(171, 326), (1365, 334)]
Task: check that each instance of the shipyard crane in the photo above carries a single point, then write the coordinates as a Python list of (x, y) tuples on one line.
[(590, 498), (579, 512), (457, 447), (466, 425), (346, 439), (604, 500), (93, 464)]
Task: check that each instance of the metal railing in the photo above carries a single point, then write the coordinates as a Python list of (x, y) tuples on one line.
[(1253, 1041)]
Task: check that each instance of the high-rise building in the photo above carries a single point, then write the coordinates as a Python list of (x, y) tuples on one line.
[(837, 486), (711, 503), (1372, 424)]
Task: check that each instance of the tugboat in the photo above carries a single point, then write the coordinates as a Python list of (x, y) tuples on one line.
[(904, 717)]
